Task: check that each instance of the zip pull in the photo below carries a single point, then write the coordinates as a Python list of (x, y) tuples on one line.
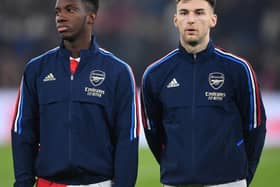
[(72, 77), (194, 56)]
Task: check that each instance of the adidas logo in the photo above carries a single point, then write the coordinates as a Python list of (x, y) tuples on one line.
[(49, 77), (173, 84)]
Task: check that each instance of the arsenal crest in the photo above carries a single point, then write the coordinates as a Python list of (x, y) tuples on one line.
[(97, 77), (216, 80)]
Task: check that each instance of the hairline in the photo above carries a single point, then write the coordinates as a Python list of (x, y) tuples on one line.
[(213, 4), (90, 6)]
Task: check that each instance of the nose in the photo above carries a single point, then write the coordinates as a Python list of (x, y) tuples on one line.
[(191, 18), (60, 17)]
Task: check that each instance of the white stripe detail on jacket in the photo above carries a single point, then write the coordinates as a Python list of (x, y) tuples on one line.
[(19, 106), (148, 69), (133, 133), (251, 76)]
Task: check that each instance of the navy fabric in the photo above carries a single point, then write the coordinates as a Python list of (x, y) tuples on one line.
[(203, 117), (76, 129)]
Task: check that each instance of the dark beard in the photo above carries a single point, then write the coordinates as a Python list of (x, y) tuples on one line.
[(193, 43)]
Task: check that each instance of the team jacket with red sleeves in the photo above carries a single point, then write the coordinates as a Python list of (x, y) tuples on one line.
[(204, 119), (76, 129)]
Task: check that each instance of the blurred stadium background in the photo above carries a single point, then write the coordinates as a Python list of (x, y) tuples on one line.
[(140, 32)]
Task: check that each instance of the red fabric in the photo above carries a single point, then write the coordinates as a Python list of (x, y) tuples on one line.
[(45, 183), (73, 66), (16, 107)]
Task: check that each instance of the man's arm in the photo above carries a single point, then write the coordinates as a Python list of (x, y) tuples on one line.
[(25, 134), (254, 119), (151, 116), (126, 131)]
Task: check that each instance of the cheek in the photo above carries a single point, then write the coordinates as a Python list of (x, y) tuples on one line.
[(181, 25), (206, 29), (205, 25)]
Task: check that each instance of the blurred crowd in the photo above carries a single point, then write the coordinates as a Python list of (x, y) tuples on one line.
[(140, 32)]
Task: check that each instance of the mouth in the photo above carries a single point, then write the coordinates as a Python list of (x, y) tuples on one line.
[(191, 31), (62, 28)]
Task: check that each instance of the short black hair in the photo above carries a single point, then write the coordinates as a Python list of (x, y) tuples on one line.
[(92, 5), (211, 2)]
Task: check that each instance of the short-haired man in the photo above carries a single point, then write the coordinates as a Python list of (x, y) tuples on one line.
[(76, 122), (205, 120)]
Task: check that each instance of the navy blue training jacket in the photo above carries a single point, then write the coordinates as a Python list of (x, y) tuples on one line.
[(204, 119), (76, 129)]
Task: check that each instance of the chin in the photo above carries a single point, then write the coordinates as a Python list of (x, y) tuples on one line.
[(191, 38), (192, 42), (67, 37)]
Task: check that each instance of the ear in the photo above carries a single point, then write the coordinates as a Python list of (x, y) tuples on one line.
[(175, 20), (213, 20), (91, 18)]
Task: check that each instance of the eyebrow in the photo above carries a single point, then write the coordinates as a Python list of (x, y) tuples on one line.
[(198, 9)]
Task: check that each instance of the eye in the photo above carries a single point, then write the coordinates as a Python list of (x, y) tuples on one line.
[(200, 12), (70, 10), (183, 13), (56, 12)]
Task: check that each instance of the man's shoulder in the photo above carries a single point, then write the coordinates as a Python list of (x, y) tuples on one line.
[(162, 63), (43, 56), (112, 61), (230, 57), (238, 65)]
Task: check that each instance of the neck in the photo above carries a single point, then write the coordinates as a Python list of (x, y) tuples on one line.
[(77, 45)]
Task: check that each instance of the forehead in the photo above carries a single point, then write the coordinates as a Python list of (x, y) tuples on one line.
[(193, 5), (63, 3)]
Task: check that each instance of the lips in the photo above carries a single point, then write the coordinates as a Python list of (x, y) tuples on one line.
[(62, 28), (191, 31)]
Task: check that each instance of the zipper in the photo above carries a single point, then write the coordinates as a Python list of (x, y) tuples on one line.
[(194, 85), (69, 119), (193, 109)]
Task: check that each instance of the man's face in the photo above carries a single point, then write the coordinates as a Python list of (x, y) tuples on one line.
[(194, 19), (72, 19)]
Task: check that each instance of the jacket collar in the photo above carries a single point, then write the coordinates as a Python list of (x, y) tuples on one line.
[(85, 52), (64, 56), (200, 55)]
